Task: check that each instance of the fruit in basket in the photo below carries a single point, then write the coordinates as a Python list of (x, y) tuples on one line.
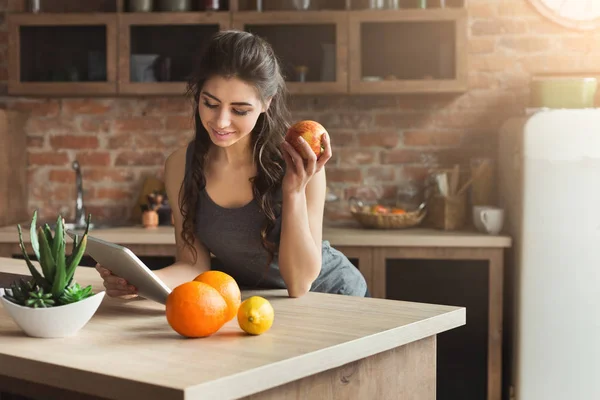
[(226, 286), (310, 131), (379, 209)]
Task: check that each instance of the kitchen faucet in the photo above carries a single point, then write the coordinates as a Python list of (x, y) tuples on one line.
[(79, 207)]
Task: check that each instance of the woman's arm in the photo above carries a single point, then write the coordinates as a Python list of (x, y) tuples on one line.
[(185, 268), (301, 235), (304, 188)]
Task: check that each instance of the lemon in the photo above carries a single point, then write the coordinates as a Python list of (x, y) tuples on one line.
[(255, 315)]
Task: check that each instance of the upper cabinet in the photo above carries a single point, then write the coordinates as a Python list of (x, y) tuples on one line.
[(62, 54), (122, 47), (408, 51)]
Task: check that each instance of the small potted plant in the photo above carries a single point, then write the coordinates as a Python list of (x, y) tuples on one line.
[(51, 304)]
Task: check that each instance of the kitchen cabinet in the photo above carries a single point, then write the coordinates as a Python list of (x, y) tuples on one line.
[(334, 46), (62, 54)]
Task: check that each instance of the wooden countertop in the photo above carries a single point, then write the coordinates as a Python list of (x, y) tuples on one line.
[(128, 349), (337, 236)]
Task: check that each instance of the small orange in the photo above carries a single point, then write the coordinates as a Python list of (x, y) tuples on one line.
[(195, 309), (227, 286), (256, 315), (398, 211)]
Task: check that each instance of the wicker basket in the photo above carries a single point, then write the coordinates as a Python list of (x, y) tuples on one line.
[(371, 220)]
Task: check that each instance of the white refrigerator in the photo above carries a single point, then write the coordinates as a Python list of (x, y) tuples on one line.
[(549, 185)]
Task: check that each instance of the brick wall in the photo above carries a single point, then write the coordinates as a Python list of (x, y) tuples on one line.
[(380, 142)]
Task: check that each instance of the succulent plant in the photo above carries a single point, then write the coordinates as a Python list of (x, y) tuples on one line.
[(53, 286)]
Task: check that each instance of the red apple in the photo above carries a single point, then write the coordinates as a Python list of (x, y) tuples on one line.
[(311, 131)]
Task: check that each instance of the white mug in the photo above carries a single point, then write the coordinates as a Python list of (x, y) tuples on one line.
[(488, 219)]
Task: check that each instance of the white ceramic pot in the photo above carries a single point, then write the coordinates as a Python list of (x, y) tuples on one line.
[(53, 322)]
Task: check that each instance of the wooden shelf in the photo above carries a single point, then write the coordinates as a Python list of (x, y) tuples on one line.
[(296, 36)]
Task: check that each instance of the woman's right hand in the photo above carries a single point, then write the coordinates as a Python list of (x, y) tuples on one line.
[(115, 285)]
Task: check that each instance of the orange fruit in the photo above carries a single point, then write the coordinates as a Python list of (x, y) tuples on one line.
[(227, 286), (255, 315), (195, 309), (398, 211)]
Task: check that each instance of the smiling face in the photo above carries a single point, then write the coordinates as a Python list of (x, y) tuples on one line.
[(229, 109)]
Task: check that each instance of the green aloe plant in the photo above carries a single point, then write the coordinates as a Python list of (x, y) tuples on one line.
[(53, 286)]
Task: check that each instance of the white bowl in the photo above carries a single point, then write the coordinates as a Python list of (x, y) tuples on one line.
[(53, 322)]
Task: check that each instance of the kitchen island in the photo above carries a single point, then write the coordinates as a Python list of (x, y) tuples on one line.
[(374, 252), (321, 346)]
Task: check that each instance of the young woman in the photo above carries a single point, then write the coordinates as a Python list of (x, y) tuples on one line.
[(242, 193)]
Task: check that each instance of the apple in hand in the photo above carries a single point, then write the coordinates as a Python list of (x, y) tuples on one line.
[(311, 131)]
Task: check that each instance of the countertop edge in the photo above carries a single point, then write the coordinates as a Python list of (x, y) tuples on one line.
[(336, 236), (251, 382)]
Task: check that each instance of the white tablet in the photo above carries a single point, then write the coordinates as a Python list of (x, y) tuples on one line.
[(124, 263)]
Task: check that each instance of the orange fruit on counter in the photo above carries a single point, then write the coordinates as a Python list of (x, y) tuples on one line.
[(255, 315), (226, 286), (196, 309)]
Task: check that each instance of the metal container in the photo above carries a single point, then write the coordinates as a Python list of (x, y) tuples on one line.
[(175, 5), (139, 5), (35, 6)]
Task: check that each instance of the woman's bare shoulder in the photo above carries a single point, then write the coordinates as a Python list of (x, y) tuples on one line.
[(175, 164)]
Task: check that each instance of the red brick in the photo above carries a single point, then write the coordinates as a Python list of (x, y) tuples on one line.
[(401, 156), (137, 124), (356, 156), (62, 176), (483, 10), (499, 27), (552, 63), (401, 120), (342, 138), (491, 62), (483, 80), (347, 175), (381, 173), (37, 108), (168, 106), (74, 142), (93, 124), (88, 158), (515, 8), (346, 120), (578, 43), (35, 141), (431, 138), (387, 139), (478, 45), (116, 175), (49, 125), (121, 141), (106, 193), (180, 123), (48, 158), (145, 140), (525, 44), (76, 107), (134, 158), (543, 26)]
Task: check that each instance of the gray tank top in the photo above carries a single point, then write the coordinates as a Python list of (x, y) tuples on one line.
[(232, 235)]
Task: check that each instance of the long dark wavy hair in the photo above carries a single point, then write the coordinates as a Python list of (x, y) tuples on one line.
[(251, 59)]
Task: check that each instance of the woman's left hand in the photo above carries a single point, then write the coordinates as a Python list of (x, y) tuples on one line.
[(300, 170)]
